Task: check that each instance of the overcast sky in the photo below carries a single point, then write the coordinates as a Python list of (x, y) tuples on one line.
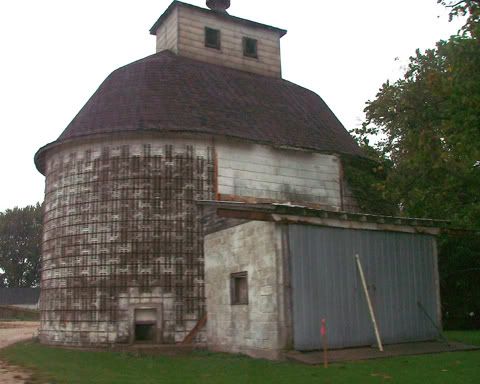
[(55, 53)]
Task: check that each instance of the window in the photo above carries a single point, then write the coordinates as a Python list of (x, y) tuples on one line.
[(250, 47), (212, 38), (239, 288)]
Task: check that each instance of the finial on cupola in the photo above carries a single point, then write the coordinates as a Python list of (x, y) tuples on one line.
[(218, 5)]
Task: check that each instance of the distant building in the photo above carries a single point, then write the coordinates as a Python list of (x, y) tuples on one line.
[(20, 297), (206, 118)]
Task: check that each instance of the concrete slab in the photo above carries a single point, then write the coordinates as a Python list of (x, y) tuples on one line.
[(366, 353)]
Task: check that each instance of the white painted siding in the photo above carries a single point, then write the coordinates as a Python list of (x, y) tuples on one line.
[(252, 170)]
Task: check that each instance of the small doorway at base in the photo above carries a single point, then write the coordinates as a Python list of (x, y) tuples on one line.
[(145, 326)]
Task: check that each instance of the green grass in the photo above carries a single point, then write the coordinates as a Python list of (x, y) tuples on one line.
[(466, 337), (9, 313), (78, 367)]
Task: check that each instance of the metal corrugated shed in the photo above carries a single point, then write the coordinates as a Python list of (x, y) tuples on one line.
[(400, 269)]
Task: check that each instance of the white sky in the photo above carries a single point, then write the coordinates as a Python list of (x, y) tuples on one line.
[(55, 53)]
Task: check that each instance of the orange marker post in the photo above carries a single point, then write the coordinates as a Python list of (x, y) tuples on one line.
[(323, 332)]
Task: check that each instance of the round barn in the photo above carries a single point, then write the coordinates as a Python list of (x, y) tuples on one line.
[(207, 117)]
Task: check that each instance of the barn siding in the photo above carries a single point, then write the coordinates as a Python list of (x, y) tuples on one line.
[(167, 34), (260, 171), (400, 271), (188, 40)]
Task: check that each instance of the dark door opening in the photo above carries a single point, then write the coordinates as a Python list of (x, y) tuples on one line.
[(145, 325), (145, 332)]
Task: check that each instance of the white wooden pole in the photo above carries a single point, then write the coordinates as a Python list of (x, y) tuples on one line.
[(369, 302)]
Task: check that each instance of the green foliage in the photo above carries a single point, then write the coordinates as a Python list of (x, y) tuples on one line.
[(53, 365), (459, 263), (366, 179), (466, 337), (10, 313), (429, 128), (20, 242), (426, 125), (470, 8)]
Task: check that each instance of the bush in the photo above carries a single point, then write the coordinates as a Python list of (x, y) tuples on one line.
[(459, 264)]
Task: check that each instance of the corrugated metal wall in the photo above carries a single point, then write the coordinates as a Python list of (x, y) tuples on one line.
[(400, 271)]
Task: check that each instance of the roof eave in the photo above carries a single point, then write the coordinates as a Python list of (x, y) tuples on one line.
[(288, 212), (174, 4), (40, 154)]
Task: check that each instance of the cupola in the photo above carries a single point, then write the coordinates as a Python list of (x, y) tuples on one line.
[(216, 37)]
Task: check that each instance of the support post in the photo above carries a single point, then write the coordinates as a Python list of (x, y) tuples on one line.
[(369, 302)]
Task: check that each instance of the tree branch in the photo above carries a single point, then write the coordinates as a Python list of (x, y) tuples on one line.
[(455, 5)]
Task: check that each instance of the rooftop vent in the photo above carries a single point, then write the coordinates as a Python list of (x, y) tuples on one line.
[(218, 5)]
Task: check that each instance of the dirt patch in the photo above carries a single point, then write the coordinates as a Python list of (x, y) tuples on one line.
[(10, 326), (10, 333), (13, 375)]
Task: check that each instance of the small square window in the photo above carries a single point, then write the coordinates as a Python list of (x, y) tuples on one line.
[(250, 47), (212, 38), (239, 288)]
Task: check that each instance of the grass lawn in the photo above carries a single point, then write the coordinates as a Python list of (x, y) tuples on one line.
[(8, 313), (79, 367)]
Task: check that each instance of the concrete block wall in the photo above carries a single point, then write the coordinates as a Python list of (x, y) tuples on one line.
[(122, 231), (258, 329), (254, 170)]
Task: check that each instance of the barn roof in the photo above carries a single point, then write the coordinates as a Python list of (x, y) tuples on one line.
[(169, 93)]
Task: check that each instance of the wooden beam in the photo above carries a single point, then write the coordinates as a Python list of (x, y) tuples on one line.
[(369, 302), (191, 336)]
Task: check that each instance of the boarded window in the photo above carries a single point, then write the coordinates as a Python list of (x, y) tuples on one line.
[(212, 38), (239, 288), (250, 47)]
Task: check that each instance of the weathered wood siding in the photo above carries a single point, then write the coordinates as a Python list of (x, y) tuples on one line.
[(184, 33), (167, 34), (252, 170)]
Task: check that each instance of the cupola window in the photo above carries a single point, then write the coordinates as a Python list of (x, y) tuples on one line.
[(250, 47), (212, 38)]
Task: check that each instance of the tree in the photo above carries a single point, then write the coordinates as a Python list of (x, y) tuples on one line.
[(20, 244), (470, 8), (429, 125), (426, 127)]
